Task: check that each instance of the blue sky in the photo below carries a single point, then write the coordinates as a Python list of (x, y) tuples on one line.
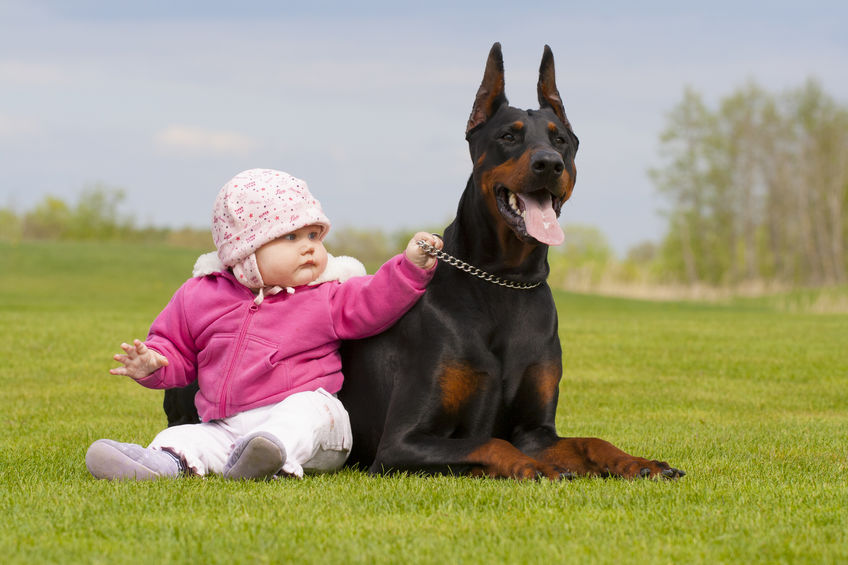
[(368, 101)]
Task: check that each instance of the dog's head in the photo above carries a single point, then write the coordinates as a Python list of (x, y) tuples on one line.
[(523, 159)]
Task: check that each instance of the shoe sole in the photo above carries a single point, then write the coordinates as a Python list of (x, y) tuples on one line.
[(105, 461), (260, 458)]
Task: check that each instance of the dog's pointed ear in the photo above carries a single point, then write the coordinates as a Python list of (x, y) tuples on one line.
[(548, 93), (491, 94)]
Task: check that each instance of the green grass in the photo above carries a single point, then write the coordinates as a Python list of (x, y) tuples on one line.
[(750, 399)]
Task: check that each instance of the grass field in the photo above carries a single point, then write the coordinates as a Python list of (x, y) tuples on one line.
[(751, 400)]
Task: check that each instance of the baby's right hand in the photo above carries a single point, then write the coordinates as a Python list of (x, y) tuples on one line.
[(417, 255), (139, 361)]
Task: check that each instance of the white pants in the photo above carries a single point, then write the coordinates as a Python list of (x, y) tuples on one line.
[(314, 427)]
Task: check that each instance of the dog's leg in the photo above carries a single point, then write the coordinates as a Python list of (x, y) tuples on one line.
[(490, 457), (535, 412), (499, 458), (593, 456)]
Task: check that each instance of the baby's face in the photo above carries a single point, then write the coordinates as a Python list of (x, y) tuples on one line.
[(295, 259)]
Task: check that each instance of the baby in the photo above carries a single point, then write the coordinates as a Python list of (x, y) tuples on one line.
[(261, 336)]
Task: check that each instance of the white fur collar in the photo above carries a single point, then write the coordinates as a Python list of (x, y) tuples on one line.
[(338, 268)]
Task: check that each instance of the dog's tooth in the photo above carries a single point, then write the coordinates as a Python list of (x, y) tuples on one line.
[(513, 202)]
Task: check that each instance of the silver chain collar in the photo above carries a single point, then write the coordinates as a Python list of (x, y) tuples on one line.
[(471, 269)]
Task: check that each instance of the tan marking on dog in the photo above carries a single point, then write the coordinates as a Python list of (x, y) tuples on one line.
[(544, 379), (458, 384)]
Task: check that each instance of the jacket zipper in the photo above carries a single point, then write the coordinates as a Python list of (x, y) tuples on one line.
[(237, 353)]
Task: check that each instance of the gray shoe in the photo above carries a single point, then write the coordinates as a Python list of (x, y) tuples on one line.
[(108, 459), (257, 456)]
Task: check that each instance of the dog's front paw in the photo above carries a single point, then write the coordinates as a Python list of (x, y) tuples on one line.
[(539, 471), (643, 468), (498, 458)]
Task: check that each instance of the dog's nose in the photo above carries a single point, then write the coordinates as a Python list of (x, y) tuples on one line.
[(544, 163)]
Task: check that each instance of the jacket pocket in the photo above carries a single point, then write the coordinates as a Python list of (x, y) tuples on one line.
[(250, 376), (257, 373)]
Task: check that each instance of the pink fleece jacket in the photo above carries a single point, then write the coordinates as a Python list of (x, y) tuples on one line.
[(246, 356)]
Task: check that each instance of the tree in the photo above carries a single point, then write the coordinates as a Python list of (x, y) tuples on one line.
[(48, 220), (11, 228), (757, 188), (96, 214)]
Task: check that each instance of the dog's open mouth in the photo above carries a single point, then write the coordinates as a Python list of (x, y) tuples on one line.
[(531, 215)]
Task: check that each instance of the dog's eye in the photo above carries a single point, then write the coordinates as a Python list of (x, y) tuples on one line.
[(508, 137), (560, 140)]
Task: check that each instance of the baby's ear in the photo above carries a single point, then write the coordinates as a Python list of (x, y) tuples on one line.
[(207, 264)]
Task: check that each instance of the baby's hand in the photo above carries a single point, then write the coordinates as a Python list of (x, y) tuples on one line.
[(139, 361), (418, 256)]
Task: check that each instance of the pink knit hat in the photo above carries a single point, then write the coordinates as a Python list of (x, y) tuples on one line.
[(255, 207)]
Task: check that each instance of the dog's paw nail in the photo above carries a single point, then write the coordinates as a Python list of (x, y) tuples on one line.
[(673, 473)]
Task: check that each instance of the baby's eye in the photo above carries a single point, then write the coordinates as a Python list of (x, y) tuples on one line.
[(290, 237), (313, 235)]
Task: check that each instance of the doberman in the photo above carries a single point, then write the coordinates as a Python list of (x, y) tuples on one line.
[(467, 382)]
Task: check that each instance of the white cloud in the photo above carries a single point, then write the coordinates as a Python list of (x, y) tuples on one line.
[(12, 127), (31, 74), (201, 141)]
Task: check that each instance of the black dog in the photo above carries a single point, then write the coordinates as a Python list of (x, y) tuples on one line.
[(468, 380)]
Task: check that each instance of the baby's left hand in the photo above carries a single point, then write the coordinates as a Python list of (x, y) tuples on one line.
[(139, 361), (418, 256)]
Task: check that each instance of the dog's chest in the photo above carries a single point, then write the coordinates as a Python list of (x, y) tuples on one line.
[(494, 349)]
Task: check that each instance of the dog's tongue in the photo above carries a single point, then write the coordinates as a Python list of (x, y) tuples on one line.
[(540, 220)]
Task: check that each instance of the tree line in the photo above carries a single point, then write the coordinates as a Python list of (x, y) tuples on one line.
[(95, 216)]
